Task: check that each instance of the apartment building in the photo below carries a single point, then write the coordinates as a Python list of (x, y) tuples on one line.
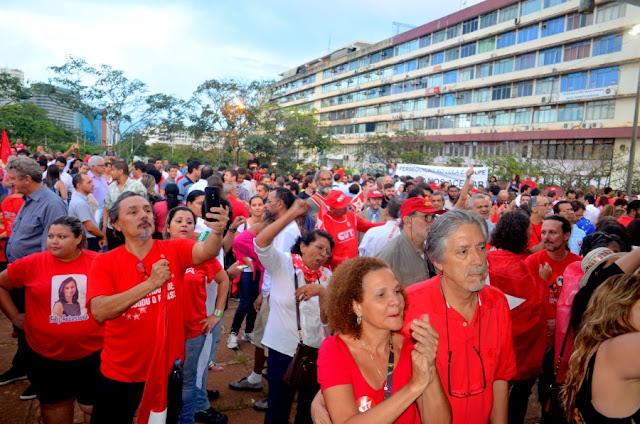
[(532, 78)]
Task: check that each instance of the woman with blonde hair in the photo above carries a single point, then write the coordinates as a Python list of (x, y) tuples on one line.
[(603, 382)]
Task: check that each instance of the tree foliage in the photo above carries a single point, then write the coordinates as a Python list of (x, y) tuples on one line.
[(504, 166), (403, 147), (11, 90), (29, 122)]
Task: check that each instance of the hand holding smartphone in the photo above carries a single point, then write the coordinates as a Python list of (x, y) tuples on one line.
[(211, 200)]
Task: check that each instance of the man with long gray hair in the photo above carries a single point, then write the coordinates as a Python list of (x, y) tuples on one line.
[(475, 360), (323, 180)]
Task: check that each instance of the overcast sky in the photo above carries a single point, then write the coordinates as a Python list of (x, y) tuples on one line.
[(174, 46)]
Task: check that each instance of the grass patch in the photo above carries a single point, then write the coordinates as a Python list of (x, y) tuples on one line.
[(238, 406)]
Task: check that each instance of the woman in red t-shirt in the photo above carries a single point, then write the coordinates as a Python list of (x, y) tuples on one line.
[(369, 368), (180, 224), (64, 339)]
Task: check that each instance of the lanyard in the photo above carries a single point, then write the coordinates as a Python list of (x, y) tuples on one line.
[(393, 231), (389, 384)]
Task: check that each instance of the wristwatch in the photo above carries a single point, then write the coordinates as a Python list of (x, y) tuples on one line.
[(218, 313)]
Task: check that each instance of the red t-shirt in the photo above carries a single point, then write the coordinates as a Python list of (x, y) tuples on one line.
[(496, 348), (530, 183), (130, 339), (195, 295), (625, 220), (344, 230), (336, 367), (553, 286), (161, 210), (239, 209), (536, 235), (60, 331), (10, 208)]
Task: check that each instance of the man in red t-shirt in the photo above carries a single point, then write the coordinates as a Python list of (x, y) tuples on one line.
[(540, 208), (137, 292), (633, 212), (343, 225), (475, 358), (238, 207)]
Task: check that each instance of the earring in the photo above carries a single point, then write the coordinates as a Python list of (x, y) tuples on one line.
[(358, 319)]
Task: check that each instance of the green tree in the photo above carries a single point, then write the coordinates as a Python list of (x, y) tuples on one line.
[(29, 122), (504, 166), (403, 146), (11, 90)]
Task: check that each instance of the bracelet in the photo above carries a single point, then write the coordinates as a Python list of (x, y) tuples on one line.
[(233, 230), (218, 313)]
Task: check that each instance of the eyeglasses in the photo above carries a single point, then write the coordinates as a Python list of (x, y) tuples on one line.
[(472, 391), (141, 269), (427, 218), (322, 248)]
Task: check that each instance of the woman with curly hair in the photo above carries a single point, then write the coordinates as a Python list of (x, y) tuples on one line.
[(369, 372), (603, 382), (509, 273)]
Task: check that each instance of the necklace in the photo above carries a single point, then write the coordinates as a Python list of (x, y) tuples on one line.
[(372, 360)]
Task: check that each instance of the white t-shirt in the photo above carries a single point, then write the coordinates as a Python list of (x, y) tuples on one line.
[(282, 242), (376, 238), (198, 185)]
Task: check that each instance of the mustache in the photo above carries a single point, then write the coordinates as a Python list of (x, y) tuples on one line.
[(145, 222), (476, 270)]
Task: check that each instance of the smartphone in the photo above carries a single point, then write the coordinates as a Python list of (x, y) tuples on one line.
[(211, 200)]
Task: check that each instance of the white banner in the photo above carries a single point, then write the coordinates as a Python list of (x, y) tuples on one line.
[(453, 175), (588, 93)]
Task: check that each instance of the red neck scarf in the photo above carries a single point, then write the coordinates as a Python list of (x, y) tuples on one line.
[(309, 275)]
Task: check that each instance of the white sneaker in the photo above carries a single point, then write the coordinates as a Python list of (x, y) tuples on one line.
[(247, 337), (232, 341)]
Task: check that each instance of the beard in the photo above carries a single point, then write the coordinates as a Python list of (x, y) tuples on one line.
[(268, 216), (148, 231), (324, 190), (480, 284)]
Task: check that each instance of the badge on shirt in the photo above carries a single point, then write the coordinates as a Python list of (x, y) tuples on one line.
[(365, 403)]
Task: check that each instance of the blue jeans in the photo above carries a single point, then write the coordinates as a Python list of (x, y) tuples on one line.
[(280, 396), (248, 290), (201, 399), (193, 347)]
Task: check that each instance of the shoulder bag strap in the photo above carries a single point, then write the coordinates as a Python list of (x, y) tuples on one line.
[(295, 282), (564, 343)]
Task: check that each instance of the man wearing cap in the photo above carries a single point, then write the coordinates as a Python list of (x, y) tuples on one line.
[(373, 212), (343, 226), (405, 253)]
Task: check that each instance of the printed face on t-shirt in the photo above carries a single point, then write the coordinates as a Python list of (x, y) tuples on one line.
[(68, 298)]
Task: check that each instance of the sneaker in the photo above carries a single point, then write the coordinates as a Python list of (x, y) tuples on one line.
[(232, 341), (12, 376), (213, 394), (247, 337), (261, 405), (211, 416), (245, 385), (28, 394)]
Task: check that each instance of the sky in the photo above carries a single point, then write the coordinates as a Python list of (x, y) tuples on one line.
[(174, 46)]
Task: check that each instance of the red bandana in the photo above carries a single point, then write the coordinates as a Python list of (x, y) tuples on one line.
[(309, 275)]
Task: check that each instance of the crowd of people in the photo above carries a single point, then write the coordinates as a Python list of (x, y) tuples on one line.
[(369, 298)]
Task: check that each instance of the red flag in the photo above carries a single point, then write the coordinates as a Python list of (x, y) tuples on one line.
[(5, 148)]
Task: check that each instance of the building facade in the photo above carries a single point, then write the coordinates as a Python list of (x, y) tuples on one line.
[(56, 111), (178, 138), (532, 78)]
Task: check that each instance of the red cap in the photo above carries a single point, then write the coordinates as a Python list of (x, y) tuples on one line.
[(418, 204), (338, 200), (374, 194)]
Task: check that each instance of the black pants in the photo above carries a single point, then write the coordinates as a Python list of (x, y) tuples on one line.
[(112, 240), (519, 400), (117, 402), (93, 244), (19, 362)]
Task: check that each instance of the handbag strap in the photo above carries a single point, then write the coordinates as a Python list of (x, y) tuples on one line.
[(295, 282), (564, 343)]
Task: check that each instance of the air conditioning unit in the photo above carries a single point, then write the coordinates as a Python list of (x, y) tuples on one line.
[(584, 126), (596, 125), (444, 88), (566, 126), (439, 112), (493, 55), (482, 130), (367, 76), (528, 128), (457, 96), (493, 130), (516, 21), (349, 81), (544, 99), (383, 54), (379, 72)]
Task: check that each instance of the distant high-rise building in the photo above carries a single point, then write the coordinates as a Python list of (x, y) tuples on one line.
[(16, 73), (56, 111), (100, 124)]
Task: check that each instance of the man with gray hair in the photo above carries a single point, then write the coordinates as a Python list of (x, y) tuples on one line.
[(471, 318), (540, 207), (375, 239), (100, 185), (480, 204), (324, 181), (29, 235)]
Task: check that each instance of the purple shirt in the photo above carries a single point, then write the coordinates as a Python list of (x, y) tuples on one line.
[(99, 188)]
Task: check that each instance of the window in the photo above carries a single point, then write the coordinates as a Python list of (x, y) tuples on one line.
[(525, 61), (528, 34), (607, 44), (465, 74), (450, 77), (447, 121), (406, 125), (551, 3), (463, 121), (418, 124), (411, 65), (570, 112), (521, 116), (424, 41), (463, 97), (437, 37), (503, 66), (452, 32), (550, 56), (489, 19), (423, 62), (397, 88), (480, 120), (576, 20), (500, 92), (433, 101), (484, 70), (437, 58), (500, 117), (552, 27), (578, 50), (470, 25), (468, 50), (544, 114), (610, 12), (508, 13), (547, 85), (524, 88), (398, 68), (482, 95), (604, 77), (382, 127), (529, 6), (435, 80), (451, 54), (432, 123), (603, 109), (448, 99), (575, 81), (486, 45), (505, 40)]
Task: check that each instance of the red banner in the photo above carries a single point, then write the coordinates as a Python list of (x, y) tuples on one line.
[(5, 148)]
